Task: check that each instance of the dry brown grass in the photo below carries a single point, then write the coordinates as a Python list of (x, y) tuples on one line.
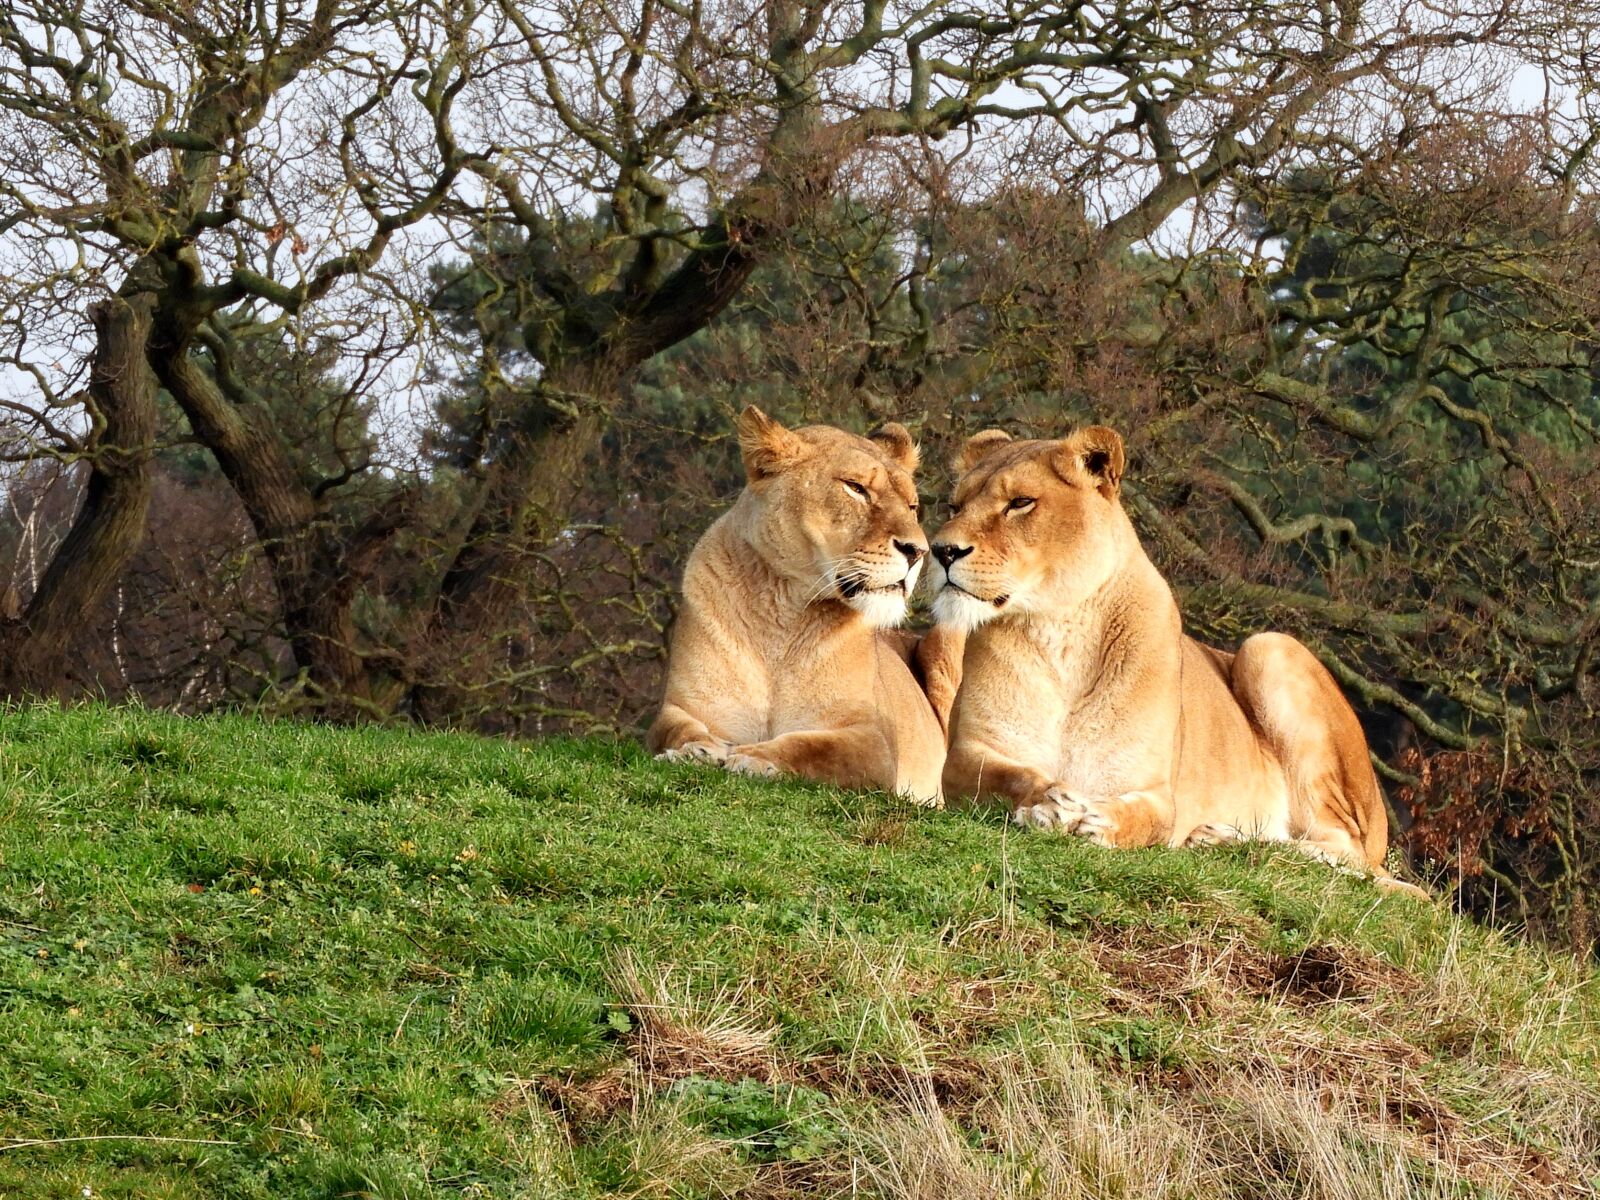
[(1052, 1124), (679, 1031), (1046, 1127), (1336, 1031), (538, 1139), (1324, 1073), (1515, 995)]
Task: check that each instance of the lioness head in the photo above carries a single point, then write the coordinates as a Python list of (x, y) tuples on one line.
[(1038, 526), (835, 513)]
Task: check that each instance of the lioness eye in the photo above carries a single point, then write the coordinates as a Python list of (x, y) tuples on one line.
[(857, 488), (1020, 503)]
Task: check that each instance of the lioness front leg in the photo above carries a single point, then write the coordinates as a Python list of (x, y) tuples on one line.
[(936, 663), (1212, 833), (855, 756), (675, 736), (974, 769)]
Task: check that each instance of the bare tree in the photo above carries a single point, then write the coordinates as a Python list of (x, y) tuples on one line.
[(706, 133), (615, 174), (185, 163)]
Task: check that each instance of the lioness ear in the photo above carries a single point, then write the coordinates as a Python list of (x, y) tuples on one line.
[(979, 446), (894, 439), (767, 447), (1098, 451)]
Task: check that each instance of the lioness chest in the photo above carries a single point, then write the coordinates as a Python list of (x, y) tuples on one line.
[(755, 690), (1054, 701)]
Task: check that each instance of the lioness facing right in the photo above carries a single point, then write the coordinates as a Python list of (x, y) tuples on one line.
[(784, 659), (1085, 706)]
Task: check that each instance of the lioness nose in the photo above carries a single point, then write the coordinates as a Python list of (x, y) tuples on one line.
[(911, 551), (947, 553)]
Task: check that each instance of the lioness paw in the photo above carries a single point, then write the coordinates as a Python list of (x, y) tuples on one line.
[(1323, 855), (1212, 833), (1057, 809), (697, 752), (742, 762), (1099, 823)]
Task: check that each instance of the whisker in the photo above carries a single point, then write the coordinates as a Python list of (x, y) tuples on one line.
[(827, 580), (824, 585)]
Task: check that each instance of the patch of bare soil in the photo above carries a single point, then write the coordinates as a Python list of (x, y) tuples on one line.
[(1192, 976), (582, 1102), (1198, 975), (1325, 974), (955, 1083)]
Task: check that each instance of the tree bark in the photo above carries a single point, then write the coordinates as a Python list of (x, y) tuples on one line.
[(305, 549), (110, 524), (528, 491), (531, 486)]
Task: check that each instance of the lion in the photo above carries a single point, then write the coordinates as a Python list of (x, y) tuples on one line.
[(784, 659), (1084, 705)]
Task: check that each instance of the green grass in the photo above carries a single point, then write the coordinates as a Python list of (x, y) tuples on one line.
[(274, 960)]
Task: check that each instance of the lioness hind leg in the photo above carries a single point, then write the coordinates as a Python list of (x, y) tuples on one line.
[(1389, 883), (1334, 801), (1128, 821), (1336, 848), (1334, 851), (857, 756)]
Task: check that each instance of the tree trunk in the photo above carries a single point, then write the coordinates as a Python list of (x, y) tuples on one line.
[(534, 480), (110, 525), (528, 495), (530, 489), (541, 473), (304, 547)]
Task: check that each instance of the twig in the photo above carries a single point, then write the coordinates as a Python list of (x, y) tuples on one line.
[(400, 1028), (27, 1143)]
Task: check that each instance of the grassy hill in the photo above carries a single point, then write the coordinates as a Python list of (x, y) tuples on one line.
[(254, 960)]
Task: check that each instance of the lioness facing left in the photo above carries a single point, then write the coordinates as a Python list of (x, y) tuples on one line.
[(1131, 733), (782, 659)]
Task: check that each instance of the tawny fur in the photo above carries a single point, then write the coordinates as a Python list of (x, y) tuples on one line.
[(1084, 705), (783, 658)]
